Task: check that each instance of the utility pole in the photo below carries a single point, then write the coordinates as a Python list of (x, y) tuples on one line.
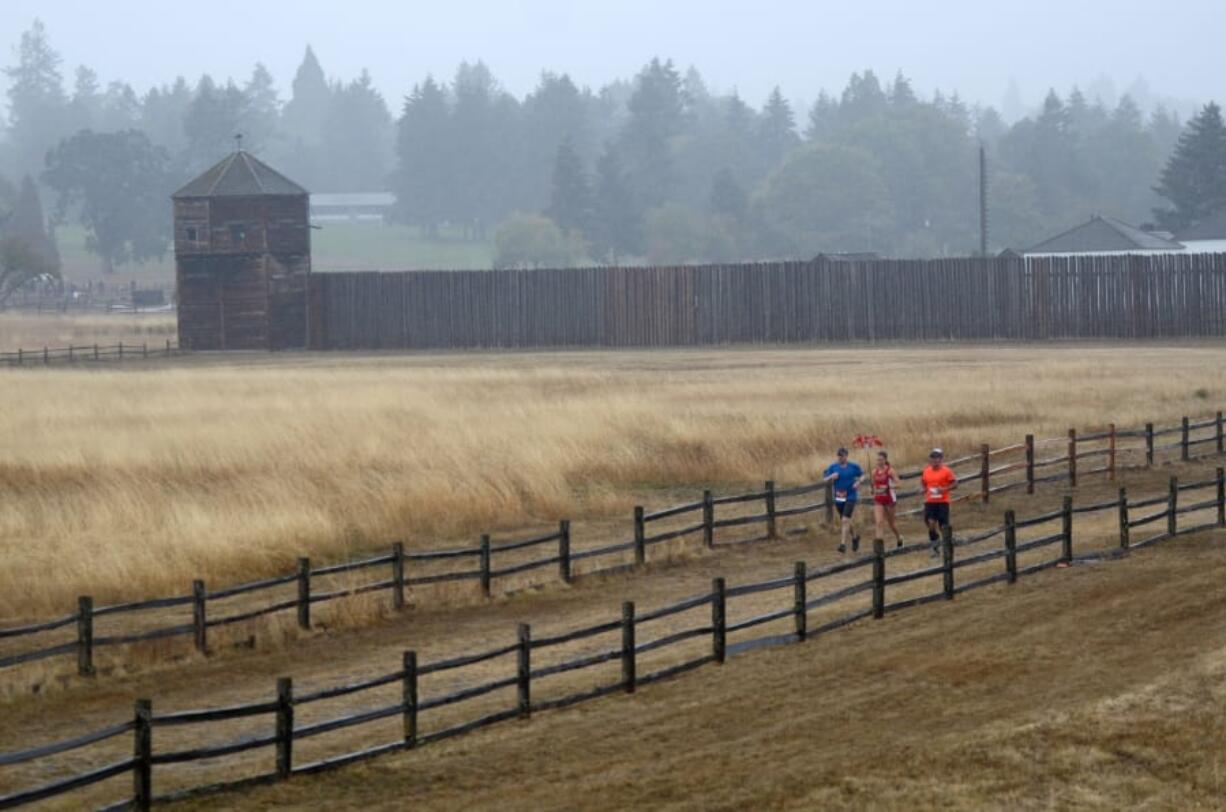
[(983, 201)]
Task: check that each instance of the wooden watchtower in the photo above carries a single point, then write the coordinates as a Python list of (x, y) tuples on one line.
[(242, 258)]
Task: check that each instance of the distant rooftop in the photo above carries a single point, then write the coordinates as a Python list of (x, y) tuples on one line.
[(1104, 235), (241, 174), (347, 199)]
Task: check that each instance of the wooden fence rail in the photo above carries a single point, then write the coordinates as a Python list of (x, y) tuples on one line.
[(799, 599), (699, 519), (1031, 298), (72, 354)]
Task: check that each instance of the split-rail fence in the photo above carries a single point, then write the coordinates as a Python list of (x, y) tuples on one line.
[(1026, 545), (518, 563)]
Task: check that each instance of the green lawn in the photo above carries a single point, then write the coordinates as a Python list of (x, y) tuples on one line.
[(338, 246)]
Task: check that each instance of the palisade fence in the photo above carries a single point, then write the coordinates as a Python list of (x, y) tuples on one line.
[(995, 298), (518, 564), (85, 353), (638, 647)]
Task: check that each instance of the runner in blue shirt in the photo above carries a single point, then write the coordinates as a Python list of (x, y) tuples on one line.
[(846, 477)]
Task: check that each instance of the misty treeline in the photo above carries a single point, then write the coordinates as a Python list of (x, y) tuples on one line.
[(656, 167)]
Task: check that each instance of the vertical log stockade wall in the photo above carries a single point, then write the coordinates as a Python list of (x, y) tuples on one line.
[(1008, 298)]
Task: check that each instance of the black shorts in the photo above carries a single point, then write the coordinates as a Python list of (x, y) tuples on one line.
[(845, 509), (937, 512)]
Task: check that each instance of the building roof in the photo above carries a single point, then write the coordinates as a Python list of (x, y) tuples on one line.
[(1212, 227), (345, 199), (1104, 235), (241, 174)]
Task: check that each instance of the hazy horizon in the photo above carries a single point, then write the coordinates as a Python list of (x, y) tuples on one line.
[(802, 47)]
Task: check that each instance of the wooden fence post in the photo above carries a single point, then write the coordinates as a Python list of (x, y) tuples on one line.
[(1030, 463), (629, 676), (200, 625), (168, 348), (947, 561), (304, 593), (770, 509), (85, 636), (1218, 431), (144, 349), (708, 519), (398, 575), (1221, 497), (95, 352), (1124, 529), (640, 537), (1011, 546), (878, 579), (564, 551), (1111, 452), (1066, 530), (1072, 458), (120, 350), (408, 697), (719, 621), (800, 619), (1149, 445), (523, 671), (142, 752), (486, 577), (1183, 440), (1172, 504), (46, 356), (985, 472), (285, 727), (829, 497)]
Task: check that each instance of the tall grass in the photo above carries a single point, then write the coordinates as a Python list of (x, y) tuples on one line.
[(133, 481)]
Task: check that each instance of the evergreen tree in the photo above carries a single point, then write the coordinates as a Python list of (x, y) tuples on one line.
[(556, 111), (28, 223), (1194, 178), (120, 108), (38, 106), (262, 110), (728, 198), (822, 118), (357, 139), (421, 180), (212, 120), (657, 109), (616, 223), (163, 111), (85, 108), (570, 200), (776, 130)]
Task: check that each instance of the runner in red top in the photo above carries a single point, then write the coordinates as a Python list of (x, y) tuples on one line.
[(884, 498)]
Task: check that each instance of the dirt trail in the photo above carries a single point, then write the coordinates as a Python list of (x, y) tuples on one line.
[(1094, 687), (346, 655)]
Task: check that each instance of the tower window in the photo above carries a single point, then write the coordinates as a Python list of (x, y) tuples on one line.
[(191, 235), (238, 233)]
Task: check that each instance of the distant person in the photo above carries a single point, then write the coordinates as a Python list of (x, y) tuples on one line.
[(885, 498), (846, 477), (938, 480)]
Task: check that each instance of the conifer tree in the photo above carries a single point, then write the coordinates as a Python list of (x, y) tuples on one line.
[(1194, 178)]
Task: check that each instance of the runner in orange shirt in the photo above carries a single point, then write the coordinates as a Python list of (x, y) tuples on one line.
[(938, 480)]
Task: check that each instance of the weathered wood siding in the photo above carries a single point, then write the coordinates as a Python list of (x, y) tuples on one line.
[(882, 300), (242, 280)]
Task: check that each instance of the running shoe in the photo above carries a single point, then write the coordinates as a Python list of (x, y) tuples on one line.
[(855, 544), (842, 547)]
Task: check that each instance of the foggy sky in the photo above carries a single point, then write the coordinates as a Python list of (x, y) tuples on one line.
[(972, 47)]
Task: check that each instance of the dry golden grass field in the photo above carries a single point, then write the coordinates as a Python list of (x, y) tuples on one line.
[(32, 331), (129, 481)]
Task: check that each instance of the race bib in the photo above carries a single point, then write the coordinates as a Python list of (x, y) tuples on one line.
[(840, 496), (934, 491)]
